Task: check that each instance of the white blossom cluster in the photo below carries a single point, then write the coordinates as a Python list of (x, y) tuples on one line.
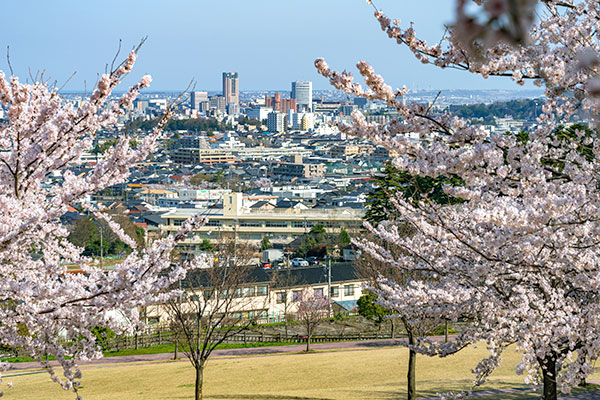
[(46, 311), (519, 258)]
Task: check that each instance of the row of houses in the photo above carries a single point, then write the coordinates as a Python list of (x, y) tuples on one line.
[(268, 299)]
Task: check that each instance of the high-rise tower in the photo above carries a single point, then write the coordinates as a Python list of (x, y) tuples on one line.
[(231, 90), (302, 92)]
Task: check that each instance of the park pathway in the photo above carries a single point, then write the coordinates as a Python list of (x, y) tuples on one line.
[(251, 351)]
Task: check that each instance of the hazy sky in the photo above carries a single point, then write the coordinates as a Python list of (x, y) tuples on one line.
[(269, 42)]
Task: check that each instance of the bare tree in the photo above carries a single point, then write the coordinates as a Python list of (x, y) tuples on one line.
[(282, 280), (313, 308), (216, 304)]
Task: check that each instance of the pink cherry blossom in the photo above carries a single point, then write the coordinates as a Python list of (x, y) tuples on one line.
[(48, 311), (519, 258)]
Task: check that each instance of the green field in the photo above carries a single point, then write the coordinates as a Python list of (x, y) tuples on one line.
[(349, 374)]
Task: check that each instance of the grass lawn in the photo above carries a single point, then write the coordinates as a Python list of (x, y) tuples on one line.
[(372, 373), (170, 348), (163, 348)]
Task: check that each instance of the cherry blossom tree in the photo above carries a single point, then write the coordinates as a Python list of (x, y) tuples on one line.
[(312, 309), (519, 256), (47, 311)]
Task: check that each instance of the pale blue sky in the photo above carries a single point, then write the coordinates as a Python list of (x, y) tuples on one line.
[(269, 42)]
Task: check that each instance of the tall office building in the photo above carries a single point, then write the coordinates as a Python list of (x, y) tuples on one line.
[(196, 99), (231, 90), (302, 92)]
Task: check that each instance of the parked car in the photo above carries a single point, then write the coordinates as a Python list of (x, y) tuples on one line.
[(299, 262), (312, 260), (265, 265)]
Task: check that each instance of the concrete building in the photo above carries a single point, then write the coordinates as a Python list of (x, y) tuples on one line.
[(298, 169), (196, 100), (202, 194), (343, 150), (260, 113), (380, 119), (291, 170), (279, 104), (231, 90), (302, 92), (195, 156), (361, 102), (269, 153), (245, 223), (233, 109), (276, 122), (303, 121), (347, 109), (219, 103)]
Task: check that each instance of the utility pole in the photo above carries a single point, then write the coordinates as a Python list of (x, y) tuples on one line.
[(101, 249), (329, 283)]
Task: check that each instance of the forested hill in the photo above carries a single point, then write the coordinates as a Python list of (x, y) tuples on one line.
[(527, 109), (196, 124)]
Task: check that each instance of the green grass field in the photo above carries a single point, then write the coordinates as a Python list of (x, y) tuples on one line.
[(351, 374)]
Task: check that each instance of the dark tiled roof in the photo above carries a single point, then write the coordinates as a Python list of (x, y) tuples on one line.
[(340, 272)]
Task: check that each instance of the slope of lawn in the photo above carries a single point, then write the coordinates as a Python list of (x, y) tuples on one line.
[(365, 373)]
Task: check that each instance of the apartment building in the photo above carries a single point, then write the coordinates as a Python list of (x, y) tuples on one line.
[(202, 156), (300, 170), (343, 150)]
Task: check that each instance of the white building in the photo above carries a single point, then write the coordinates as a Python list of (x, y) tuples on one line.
[(302, 92), (202, 194), (260, 113), (303, 121), (196, 99), (276, 122), (279, 225)]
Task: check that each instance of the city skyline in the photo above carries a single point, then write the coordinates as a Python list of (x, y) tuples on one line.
[(188, 42)]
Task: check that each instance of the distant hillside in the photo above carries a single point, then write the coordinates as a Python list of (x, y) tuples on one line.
[(518, 109), (195, 125)]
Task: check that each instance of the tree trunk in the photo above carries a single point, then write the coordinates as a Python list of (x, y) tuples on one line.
[(446, 332), (411, 392), (176, 348), (199, 380), (308, 343), (392, 328), (548, 365)]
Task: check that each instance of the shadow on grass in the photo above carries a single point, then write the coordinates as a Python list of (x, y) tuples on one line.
[(493, 391), (512, 391), (387, 343), (263, 397)]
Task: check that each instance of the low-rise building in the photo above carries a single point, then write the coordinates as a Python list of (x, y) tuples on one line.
[(343, 150), (269, 299), (202, 156), (299, 169)]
